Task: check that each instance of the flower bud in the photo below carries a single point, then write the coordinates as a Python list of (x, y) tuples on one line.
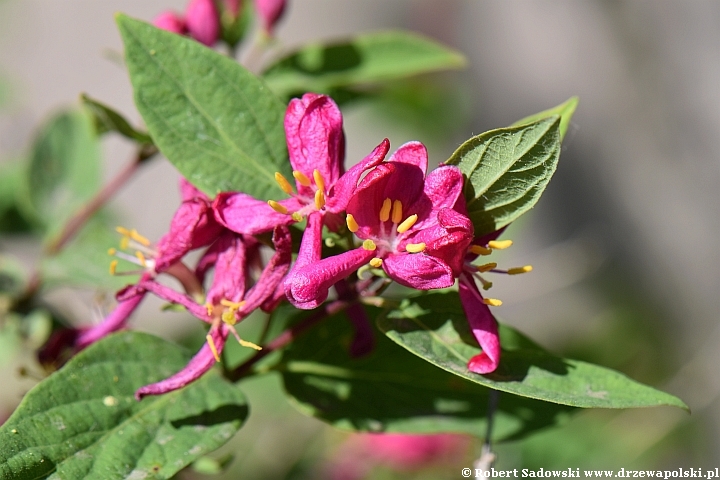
[(170, 21), (270, 12), (232, 7), (203, 22)]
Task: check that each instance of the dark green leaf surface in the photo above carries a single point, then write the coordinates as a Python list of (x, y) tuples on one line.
[(434, 328), (108, 120), (392, 390), (565, 110), (83, 421), (507, 170), (365, 59), (215, 121), (64, 168)]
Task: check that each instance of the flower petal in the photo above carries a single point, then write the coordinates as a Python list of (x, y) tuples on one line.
[(443, 187), (230, 269), (340, 193), (168, 294), (315, 138), (311, 244), (244, 214), (483, 325), (418, 270), (412, 153), (307, 287)]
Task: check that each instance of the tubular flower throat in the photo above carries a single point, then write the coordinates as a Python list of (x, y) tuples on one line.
[(414, 228)]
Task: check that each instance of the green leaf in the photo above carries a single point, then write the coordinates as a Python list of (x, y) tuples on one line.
[(108, 120), (436, 330), (216, 122), (83, 421), (565, 110), (64, 167), (13, 216), (392, 390), (365, 59), (507, 170)]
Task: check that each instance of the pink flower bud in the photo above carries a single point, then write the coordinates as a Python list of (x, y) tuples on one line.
[(170, 21), (203, 22), (270, 12), (232, 6)]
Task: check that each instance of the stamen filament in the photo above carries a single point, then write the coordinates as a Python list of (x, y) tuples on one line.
[(319, 180), (397, 211), (519, 270), (284, 184), (211, 344), (407, 223), (487, 267), (319, 199), (369, 245), (480, 250), (493, 302), (385, 210), (301, 178), (351, 223), (415, 247), (376, 262), (499, 244), (277, 207)]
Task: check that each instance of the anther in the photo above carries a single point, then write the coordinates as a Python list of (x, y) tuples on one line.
[(493, 302), (486, 285), (369, 245), (397, 211), (519, 270), (319, 180), (245, 343), (415, 247), (480, 250), (376, 262), (407, 223), (139, 238), (319, 199), (232, 305), (277, 206), (351, 223), (385, 210), (112, 251), (211, 344), (487, 267), (124, 243), (210, 308), (141, 259), (123, 231), (297, 216), (499, 244), (284, 184), (113, 267), (301, 178)]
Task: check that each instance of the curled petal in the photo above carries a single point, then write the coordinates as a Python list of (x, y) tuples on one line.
[(311, 244), (483, 325), (244, 214), (340, 193), (412, 153), (308, 287), (196, 367), (230, 269), (188, 191), (418, 270), (170, 21), (443, 187), (170, 295)]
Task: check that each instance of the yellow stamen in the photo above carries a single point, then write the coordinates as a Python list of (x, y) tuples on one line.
[(493, 302), (376, 262), (284, 184), (124, 243), (351, 223), (487, 267), (486, 285), (297, 216), (319, 199), (141, 258), (499, 244), (139, 238), (112, 251), (385, 210), (319, 180), (123, 231), (113, 267), (277, 207), (479, 250), (211, 344), (210, 308), (245, 343), (228, 316), (415, 247), (397, 211), (233, 305), (369, 245), (519, 270), (407, 224), (301, 178)]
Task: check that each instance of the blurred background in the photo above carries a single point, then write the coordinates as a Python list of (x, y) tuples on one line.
[(623, 242)]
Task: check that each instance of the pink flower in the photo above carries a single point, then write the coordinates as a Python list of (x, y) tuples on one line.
[(228, 301), (415, 228), (203, 21), (270, 12), (171, 21)]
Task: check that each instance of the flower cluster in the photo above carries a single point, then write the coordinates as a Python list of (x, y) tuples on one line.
[(393, 214)]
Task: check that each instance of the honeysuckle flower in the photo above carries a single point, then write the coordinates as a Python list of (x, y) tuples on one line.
[(171, 21), (270, 12), (203, 21), (228, 302), (415, 228)]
